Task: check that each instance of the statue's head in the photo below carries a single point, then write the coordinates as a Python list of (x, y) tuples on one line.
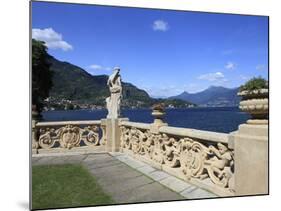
[(116, 69)]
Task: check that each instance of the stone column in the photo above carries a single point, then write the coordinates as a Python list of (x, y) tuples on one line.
[(251, 151), (113, 134)]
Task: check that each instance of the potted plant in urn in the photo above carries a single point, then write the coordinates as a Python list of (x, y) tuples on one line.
[(254, 100)]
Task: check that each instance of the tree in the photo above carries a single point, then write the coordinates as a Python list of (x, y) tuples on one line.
[(41, 74)]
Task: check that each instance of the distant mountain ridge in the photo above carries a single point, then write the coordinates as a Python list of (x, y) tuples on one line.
[(213, 96), (73, 83)]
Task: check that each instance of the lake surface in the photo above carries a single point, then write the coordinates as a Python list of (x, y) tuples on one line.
[(222, 119)]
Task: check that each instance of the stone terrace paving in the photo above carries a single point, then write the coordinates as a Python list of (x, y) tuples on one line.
[(127, 180)]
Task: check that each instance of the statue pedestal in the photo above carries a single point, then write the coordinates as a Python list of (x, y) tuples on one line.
[(251, 159), (113, 133)]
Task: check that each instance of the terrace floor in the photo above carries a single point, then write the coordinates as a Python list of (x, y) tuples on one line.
[(127, 180)]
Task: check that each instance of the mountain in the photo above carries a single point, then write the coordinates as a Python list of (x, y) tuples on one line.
[(213, 96), (72, 83)]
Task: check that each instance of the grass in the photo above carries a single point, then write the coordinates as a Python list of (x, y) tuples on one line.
[(59, 186)]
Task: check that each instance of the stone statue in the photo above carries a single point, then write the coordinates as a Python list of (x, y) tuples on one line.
[(115, 87)]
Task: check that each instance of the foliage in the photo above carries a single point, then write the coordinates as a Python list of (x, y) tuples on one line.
[(41, 74), (69, 106), (159, 107), (254, 83), (69, 185)]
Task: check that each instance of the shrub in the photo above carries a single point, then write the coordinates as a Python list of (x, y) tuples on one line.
[(254, 83)]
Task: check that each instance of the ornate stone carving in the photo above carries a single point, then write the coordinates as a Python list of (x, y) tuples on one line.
[(220, 165), (103, 139), (113, 102), (171, 151), (202, 162), (68, 136), (47, 138), (125, 138), (195, 159), (91, 136), (35, 144)]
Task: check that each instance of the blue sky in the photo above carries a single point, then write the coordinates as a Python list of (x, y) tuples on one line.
[(164, 52)]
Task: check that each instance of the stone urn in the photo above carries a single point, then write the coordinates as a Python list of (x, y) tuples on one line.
[(158, 112), (255, 102)]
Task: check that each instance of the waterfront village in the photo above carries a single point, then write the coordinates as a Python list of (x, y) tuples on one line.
[(51, 104)]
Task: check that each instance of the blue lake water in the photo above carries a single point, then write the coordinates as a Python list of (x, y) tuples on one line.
[(221, 119)]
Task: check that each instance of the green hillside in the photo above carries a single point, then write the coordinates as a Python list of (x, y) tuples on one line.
[(72, 83)]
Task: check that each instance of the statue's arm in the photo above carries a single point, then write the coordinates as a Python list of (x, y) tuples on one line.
[(119, 81), (114, 77)]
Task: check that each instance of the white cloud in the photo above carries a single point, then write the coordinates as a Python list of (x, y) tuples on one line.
[(217, 76), (95, 67), (52, 39), (261, 67), (160, 25), (99, 67), (230, 66), (162, 91)]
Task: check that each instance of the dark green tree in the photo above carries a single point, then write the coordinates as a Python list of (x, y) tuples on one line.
[(41, 74)]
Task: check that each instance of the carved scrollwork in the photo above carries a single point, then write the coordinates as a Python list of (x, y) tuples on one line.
[(137, 137), (91, 135), (194, 158), (171, 151), (47, 138), (200, 161), (125, 138), (157, 150), (219, 165), (103, 139), (68, 136), (148, 144)]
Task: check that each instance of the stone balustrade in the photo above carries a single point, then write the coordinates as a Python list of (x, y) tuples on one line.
[(224, 164), (67, 135), (199, 157)]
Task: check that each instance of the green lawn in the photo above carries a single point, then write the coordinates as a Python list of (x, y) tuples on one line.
[(65, 186)]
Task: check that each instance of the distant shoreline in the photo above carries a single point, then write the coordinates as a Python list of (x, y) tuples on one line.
[(144, 108)]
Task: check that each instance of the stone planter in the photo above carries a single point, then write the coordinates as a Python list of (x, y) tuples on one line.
[(255, 102), (158, 116), (158, 112)]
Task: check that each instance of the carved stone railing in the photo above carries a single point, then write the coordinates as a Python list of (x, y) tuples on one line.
[(200, 157), (67, 135), (205, 159)]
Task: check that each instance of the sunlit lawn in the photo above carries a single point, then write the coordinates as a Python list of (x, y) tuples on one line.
[(65, 186)]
